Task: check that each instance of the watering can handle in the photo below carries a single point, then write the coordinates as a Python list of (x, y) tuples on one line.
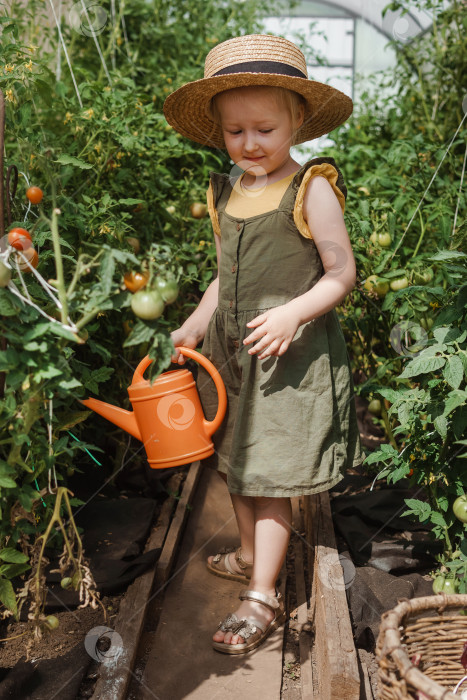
[(210, 426)]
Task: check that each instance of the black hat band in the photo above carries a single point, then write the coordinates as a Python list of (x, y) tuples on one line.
[(262, 67)]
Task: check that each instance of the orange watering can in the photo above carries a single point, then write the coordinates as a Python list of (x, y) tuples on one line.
[(167, 416)]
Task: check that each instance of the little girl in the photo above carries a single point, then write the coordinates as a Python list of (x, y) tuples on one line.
[(268, 320)]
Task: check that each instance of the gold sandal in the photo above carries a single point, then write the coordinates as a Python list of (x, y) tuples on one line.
[(252, 630), (220, 565)]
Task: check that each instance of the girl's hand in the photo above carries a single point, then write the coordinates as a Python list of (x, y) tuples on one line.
[(276, 328), (187, 338)]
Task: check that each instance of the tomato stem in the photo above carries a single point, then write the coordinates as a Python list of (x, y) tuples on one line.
[(58, 261), (421, 235)]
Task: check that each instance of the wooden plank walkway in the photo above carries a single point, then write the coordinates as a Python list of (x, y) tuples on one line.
[(181, 662), (334, 651)]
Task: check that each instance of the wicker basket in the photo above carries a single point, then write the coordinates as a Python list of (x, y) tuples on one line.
[(433, 627)]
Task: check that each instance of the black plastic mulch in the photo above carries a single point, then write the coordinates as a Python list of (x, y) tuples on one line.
[(388, 554)]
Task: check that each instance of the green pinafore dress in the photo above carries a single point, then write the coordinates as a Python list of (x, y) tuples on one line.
[(290, 428)]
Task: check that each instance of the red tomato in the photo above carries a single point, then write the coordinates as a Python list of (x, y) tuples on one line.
[(34, 194), (19, 238), (31, 256), (134, 281)]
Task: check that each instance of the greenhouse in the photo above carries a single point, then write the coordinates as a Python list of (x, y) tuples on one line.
[(233, 239)]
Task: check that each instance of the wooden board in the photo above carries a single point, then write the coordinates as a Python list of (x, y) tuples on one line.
[(181, 664), (334, 648), (304, 639), (115, 673)]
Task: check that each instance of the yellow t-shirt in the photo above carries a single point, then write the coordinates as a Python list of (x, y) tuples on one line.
[(244, 203)]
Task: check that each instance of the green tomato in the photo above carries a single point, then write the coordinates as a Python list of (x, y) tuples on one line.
[(373, 282), (168, 289), (51, 622), (147, 305), (375, 407), (5, 275), (426, 323), (450, 586), (438, 583), (459, 508), (384, 240), (66, 582), (399, 283), (423, 276)]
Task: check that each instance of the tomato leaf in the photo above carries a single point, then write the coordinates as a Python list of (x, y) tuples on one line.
[(107, 269), (437, 518), (420, 509), (13, 556), (454, 371), (131, 200), (65, 159), (422, 365), (7, 483), (441, 425), (7, 595), (141, 333)]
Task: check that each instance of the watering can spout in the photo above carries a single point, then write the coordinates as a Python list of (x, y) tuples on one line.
[(124, 419)]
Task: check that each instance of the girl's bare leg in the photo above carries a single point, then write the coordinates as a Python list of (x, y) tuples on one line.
[(272, 518), (245, 515)]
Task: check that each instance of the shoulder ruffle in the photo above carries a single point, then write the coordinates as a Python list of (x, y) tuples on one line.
[(325, 167), (212, 210)]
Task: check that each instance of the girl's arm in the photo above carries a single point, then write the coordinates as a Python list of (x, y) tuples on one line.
[(274, 330), (192, 332), (323, 214)]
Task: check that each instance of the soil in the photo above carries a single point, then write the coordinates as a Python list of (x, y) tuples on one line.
[(73, 627)]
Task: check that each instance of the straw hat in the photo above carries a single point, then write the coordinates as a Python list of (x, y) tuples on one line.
[(254, 59)]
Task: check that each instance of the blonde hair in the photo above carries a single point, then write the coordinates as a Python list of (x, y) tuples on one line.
[(284, 98)]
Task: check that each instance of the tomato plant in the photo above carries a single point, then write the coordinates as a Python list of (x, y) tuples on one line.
[(102, 130)]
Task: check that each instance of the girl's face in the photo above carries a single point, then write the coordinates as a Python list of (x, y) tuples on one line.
[(257, 130)]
